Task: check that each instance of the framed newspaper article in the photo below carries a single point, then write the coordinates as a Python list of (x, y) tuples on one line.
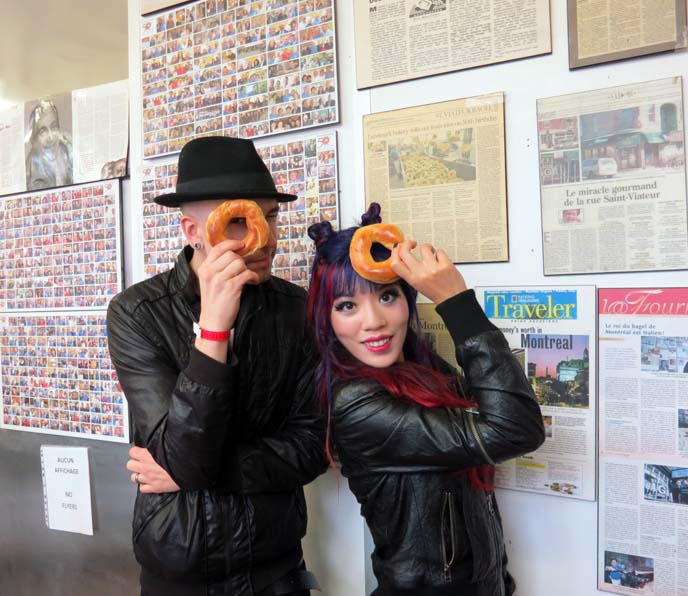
[(398, 40), (643, 436), (223, 67), (66, 138), (613, 179), (552, 333), (438, 171), (306, 167), (601, 31)]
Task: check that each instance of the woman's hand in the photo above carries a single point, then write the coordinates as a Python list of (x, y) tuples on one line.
[(150, 477), (431, 273)]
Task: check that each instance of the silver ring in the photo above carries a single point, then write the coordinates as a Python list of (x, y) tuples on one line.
[(137, 478)]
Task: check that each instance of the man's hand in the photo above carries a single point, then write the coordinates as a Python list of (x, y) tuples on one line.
[(432, 273), (221, 277), (150, 477)]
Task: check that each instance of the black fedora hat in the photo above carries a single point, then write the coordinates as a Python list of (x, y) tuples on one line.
[(221, 168)]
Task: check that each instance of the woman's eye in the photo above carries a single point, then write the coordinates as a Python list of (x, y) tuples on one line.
[(238, 220), (389, 296), (344, 306)]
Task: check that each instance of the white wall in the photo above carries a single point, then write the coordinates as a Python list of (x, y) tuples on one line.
[(551, 541)]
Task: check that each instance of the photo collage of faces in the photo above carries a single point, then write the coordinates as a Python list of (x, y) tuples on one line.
[(306, 168), (59, 248), (162, 236), (57, 376), (245, 68)]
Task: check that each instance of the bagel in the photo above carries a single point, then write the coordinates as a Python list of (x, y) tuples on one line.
[(362, 260), (257, 227)]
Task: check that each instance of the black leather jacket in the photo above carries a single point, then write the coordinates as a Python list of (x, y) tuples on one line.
[(241, 439), (433, 532)]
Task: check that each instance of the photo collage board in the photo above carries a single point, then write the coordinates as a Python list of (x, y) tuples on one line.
[(60, 248), (61, 265), (236, 68), (306, 167), (57, 376)]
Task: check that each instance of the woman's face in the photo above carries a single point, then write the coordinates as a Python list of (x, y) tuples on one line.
[(372, 325)]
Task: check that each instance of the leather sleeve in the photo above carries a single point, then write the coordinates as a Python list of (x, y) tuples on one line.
[(294, 455), (387, 433), (180, 417), (508, 421)]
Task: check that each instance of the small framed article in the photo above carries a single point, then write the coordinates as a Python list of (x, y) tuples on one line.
[(612, 179), (597, 34), (439, 173)]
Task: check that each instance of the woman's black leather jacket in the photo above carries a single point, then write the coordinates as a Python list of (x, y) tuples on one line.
[(433, 532)]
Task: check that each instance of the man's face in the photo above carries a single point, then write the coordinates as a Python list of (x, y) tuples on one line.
[(260, 261), (48, 129)]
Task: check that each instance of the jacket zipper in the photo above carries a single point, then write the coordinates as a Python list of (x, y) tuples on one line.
[(476, 435), (498, 542), (448, 505)]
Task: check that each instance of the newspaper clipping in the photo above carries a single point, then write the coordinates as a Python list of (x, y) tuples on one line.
[(613, 180), (643, 467), (64, 139), (551, 332), (607, 30), (101, 131), (397, 40), (305, 167), (236, 69), (438, 171)]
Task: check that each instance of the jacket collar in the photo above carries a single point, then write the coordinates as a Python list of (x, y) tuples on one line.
[(185, 282)]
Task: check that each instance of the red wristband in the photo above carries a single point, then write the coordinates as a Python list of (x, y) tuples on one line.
[(215, 335)]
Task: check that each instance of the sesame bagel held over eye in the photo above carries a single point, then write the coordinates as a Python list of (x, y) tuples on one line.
[(361, 258), (257, 227)]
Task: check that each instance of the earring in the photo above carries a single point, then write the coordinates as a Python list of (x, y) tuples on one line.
[(197, 246)]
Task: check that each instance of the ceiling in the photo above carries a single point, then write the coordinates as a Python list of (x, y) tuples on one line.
[(51, 46)]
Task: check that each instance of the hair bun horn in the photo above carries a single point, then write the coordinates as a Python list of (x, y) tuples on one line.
[(320, 232), (372, 216)]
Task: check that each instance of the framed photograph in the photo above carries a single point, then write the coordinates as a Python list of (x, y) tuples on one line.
[(239, 69), (57, 377), (306, 167), (61, 249)]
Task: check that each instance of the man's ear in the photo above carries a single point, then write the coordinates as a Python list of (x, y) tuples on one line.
[(191, 229)]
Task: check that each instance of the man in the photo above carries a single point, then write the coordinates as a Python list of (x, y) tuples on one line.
[(217, 368), (616, 572), (49, 162)]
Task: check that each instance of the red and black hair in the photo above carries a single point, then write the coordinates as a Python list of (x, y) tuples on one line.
[(419, 378)]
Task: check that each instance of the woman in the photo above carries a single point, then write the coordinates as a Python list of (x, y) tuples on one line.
[(417, 441)]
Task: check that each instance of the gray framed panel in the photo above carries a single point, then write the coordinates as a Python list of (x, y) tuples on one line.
[(36, 560)]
